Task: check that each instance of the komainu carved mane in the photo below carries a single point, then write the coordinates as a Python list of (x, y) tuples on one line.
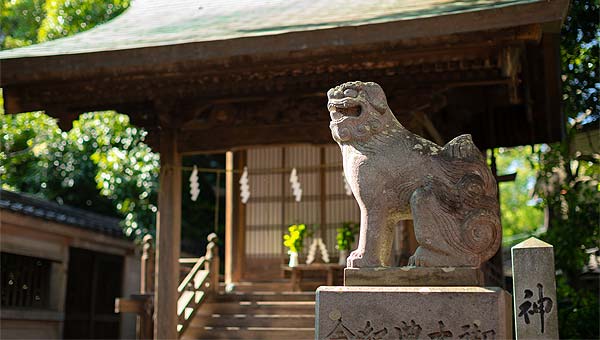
[(449, 191)]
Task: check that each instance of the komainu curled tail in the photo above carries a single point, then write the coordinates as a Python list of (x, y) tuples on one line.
[(465, 229)]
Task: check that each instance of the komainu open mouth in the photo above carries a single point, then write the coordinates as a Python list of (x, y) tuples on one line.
[(340, 111)]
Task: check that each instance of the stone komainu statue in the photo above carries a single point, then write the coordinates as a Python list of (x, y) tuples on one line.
[(449, 191)]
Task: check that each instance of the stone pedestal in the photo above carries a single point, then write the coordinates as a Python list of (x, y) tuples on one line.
[(413, 276), (413, 313)]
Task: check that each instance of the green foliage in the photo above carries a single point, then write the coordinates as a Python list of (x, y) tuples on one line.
[(578, 311), (294, 241), (101, 164), (580, 58), (520, 215), (30, 144), (67, 17), (345, 235), (569, 188), (20, 22), (26, 22), (125, 169)]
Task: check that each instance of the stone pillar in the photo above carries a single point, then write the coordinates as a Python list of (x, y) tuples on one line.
[(168, 230), (534, 290)]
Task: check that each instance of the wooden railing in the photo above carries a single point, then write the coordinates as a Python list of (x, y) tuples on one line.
[(201, 280)]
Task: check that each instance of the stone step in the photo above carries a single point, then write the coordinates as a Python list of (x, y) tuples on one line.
[(255, 310), (264, 296), (258, 307), (273, 286), (255, 333), (256, 320)]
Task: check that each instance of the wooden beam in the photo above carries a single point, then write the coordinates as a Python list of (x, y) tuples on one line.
[(226, 137), (124, 305), (400, 66), (552, 72), (168, 241)]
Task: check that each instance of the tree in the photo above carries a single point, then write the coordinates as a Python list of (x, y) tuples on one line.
[(20, 22), (101, 164), (521, 217), (123, 168), (26, 22)]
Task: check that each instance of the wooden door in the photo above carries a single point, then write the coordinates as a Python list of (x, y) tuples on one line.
[(94, 281)]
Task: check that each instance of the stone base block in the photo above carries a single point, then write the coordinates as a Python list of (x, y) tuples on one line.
[(414, 276), (413, 313)]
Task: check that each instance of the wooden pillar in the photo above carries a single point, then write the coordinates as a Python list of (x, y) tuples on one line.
[(234, 218), (145, 327), (147, 265), (168, 230)]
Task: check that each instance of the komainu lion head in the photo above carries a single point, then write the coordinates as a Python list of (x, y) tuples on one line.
[(358, 111)]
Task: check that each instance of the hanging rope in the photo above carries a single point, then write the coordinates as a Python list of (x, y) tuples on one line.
[(259, 170)]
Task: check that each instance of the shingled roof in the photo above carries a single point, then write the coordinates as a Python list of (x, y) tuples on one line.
[(152, 23), (36, 207), (202, 56)]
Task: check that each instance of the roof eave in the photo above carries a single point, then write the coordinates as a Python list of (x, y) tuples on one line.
[(79, 66)]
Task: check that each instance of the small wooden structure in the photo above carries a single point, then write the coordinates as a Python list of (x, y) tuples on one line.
[(226, 77), (62, 268)]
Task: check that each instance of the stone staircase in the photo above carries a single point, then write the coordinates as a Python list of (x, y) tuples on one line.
[(256, 311)]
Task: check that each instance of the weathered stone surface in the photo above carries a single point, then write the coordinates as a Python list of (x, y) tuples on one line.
[(534, 287), (414, 276), (449, 191), (413, 313)]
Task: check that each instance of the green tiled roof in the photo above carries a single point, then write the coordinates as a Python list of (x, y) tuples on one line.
[(150, 23)]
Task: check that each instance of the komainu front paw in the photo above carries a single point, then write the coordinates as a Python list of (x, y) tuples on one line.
[(357, 259), (353, 259)]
